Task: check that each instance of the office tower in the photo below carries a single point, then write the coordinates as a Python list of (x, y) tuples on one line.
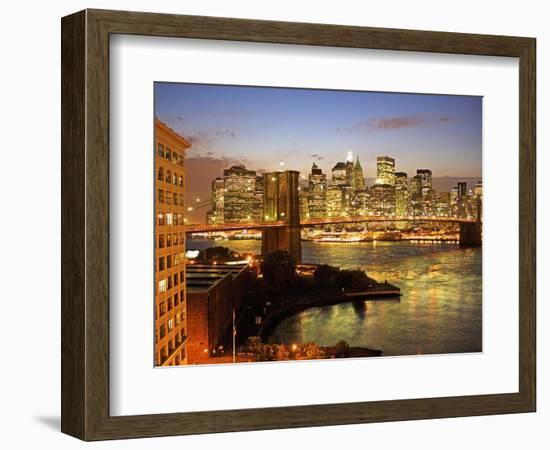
[(462, 200), (383, 200), (258, 203), (340, 174), (317, 190), (240, 187), (426, 191), (358, 181), (401, 194), (415, 196), (215, 215), (385, 170), (335, 201), (170, 291)]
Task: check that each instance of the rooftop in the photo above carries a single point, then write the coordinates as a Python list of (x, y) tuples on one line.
[(202, 277)]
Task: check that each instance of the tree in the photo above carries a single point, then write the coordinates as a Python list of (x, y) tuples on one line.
[(219, 252), (325, 275), (341, 349), (352, 279), (279, 270)]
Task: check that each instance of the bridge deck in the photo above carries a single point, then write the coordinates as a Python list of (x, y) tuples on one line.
[(328, 221)]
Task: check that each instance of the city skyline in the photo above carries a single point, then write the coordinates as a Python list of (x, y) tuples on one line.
[(259, 127)]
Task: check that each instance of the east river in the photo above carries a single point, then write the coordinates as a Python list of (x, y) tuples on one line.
[(440, 309)]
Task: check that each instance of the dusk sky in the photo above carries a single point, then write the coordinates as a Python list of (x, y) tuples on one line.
[(259, 127)]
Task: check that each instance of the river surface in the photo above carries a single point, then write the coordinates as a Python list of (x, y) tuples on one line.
[(440, 309)]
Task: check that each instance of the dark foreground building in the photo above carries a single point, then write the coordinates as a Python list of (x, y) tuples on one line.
[(213, 291)]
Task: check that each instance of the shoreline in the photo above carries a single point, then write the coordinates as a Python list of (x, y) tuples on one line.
[(282, 311)]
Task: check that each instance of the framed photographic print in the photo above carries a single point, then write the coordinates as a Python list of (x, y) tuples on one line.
[(268, 224)]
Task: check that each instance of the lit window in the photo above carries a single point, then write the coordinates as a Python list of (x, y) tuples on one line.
[(169, 219), (170, 324), (163, 285)]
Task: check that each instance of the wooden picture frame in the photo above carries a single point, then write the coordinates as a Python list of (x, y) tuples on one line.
[(85, 224)]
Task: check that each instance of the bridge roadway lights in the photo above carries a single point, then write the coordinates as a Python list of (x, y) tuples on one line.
[(470, 234)]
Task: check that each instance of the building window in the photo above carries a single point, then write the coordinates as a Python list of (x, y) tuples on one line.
[(180, 161), (161, 196), (168, 198), (180, 181), (175, 179), (162, 331), (168, 178), (168, 240), (162, 309), (175, 203), (181, 200), (168, 261), (178, 320), (170, 324), (161, 240), (176, 280), (181, 276), (169, 283), (163, 285), (169, 218), (170, 304), (176, 299), (160, 175), (175, 157), (162, 266), (161, 150), (168, 154), (160, 219)]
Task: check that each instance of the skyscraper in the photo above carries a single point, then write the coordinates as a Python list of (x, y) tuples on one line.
[(216, 215), (385, 170), (426, 191), (383, 200), (358, 182), (258, 203), (340, 174), (239, 187), (170, 278), (317, 191), (415, 196), (401, 194)]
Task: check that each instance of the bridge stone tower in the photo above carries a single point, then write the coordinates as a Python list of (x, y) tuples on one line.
[(470, 232), (281, 205)]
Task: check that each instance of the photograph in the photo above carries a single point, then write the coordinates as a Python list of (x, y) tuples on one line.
[(305, 224)]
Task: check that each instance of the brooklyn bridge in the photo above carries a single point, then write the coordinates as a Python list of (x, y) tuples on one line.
[(281, 227)]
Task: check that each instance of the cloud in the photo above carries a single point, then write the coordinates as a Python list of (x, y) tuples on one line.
[(392, 123), (317, 157), (395, 123), (230, 113), (204, 139)]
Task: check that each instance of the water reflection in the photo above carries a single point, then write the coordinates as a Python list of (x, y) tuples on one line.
[(440, 310)]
